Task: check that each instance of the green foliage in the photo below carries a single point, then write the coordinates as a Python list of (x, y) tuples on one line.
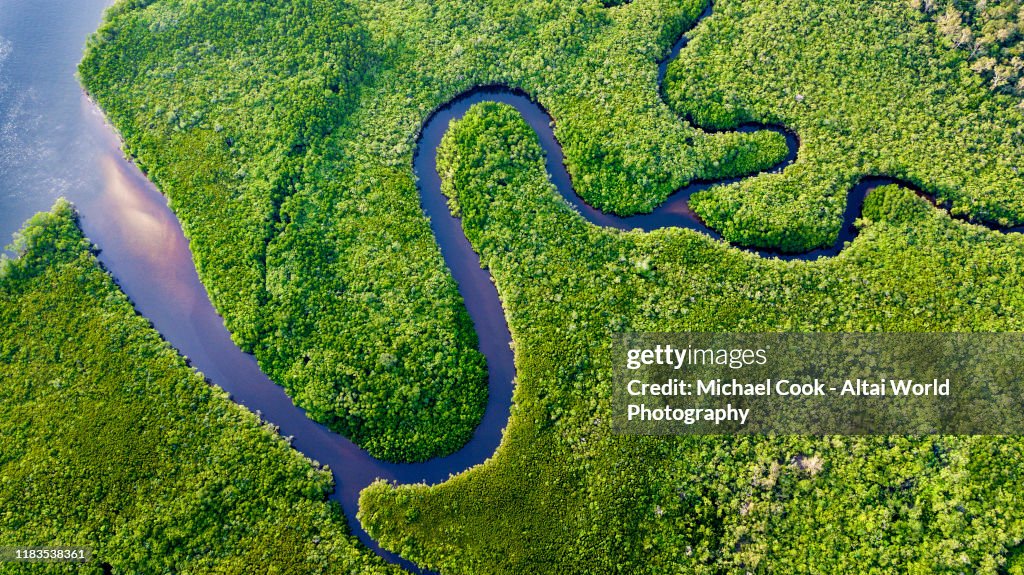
[(895, 204), (319, 256), (108, 440), (870, 90), (283, 133), (988, 33), (221, 102), (564, 495), (217, 101), (47, 239)]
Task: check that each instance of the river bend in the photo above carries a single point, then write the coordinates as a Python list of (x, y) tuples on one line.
[(145, 250)]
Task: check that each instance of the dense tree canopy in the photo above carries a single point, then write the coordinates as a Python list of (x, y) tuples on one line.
[(989, 32), (283, 134), (108, 440), (870, 90), (565, 495)]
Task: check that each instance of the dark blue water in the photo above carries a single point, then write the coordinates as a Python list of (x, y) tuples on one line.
[(54, 142)]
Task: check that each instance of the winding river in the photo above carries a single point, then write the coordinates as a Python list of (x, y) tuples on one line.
[(144, 249)]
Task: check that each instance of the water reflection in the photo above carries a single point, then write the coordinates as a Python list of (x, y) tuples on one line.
[(55, 142), (130, 219), (47, 147)]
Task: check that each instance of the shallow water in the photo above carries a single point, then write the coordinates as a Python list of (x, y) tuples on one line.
[(54, 142), (48, 147)]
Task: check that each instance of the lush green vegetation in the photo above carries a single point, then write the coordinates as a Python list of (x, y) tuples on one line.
[(989, 32), (288, 160), (108, 440), (564, 495), (283, 134), (870, 90)]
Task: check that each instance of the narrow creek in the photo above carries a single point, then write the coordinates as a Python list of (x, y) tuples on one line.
[(143, 247)]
